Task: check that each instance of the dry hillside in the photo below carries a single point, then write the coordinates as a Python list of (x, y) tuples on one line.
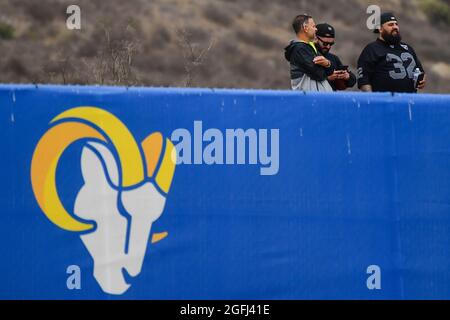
[(201, 43)]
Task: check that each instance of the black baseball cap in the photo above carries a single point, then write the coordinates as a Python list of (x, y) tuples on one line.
[(325, 30), (385, 17)]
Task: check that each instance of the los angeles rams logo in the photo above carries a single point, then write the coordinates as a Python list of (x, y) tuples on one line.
[(115, 170)]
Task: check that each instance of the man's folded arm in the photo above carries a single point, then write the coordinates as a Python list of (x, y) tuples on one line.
[(304, 58)]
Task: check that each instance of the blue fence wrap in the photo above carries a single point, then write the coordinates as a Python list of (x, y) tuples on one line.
[(363, 180)]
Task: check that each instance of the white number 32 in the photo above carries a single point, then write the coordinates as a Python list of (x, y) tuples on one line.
[(400, 72)]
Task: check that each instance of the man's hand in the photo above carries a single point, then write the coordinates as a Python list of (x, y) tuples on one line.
[(344, 75), (322, 61), (422, 83), (339, 75), (334, 76)]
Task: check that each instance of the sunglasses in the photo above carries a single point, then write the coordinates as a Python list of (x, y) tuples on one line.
[(326, 43)]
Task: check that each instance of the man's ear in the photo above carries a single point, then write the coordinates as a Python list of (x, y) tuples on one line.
[(98, 165)]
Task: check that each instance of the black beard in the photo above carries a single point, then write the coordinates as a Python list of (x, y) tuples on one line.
[(324, 51), (391, 39), (321, 50)]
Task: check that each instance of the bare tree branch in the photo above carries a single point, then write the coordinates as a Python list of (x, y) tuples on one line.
[(192, 59)]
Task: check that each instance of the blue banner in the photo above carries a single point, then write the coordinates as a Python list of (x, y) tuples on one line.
[(141, 193)]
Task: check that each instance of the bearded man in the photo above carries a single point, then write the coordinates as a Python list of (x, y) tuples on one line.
[(388, 64)]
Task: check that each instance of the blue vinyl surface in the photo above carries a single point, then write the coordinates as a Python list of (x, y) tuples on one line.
[(362, 179)]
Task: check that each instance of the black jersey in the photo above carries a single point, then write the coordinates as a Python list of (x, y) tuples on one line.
[(388, 67)]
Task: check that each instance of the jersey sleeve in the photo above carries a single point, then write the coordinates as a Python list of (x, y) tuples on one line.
[(418, 63), (366, 66)]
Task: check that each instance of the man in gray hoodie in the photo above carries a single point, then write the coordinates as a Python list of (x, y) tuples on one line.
[(309, 69)]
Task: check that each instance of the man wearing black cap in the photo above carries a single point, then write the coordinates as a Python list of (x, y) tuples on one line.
[(339, 77), (388, 64)]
